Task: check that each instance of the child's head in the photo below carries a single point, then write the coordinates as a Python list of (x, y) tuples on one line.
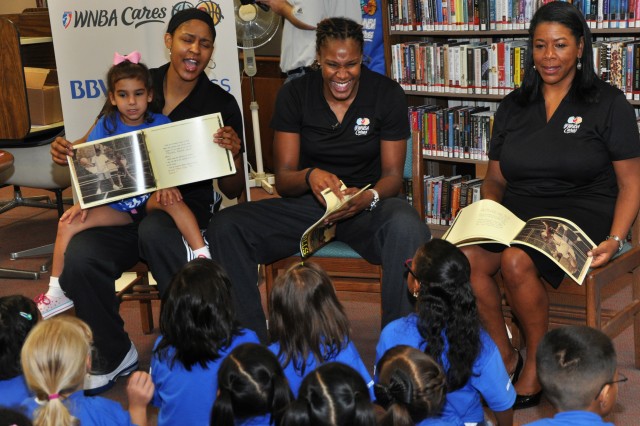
[(439, 274), (577, 369), (18, 315), (197, 316), (411, 386), (334, 394), (305, 316), (55, 359), (11, 417), (129, 88), (251, 383)]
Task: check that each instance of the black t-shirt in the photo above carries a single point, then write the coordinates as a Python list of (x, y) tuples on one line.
[(564, 167), (205, 98), (351, 149)]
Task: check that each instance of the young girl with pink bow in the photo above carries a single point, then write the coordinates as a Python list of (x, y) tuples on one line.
[(129, 90)]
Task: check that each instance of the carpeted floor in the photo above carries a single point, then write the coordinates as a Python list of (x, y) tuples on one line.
[(23, 228)]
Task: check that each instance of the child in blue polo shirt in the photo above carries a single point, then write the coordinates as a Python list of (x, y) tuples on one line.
[(577, 371)]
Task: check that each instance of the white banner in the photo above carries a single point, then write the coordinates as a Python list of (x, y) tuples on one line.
[(87, 33)]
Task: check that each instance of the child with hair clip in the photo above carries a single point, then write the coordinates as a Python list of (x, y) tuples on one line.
[(55, 359), (252, 388), (334, 394), (411, 388), (308, 325), (577, 369), (447, 327), (18, 315), (198, 329), (129, 88)]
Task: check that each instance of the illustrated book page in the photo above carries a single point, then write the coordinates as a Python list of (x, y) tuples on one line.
[(559, 239), (135, 163), (320, 233)]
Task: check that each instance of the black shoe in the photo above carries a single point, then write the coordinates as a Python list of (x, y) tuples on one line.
[(516, 373), (527, 401)]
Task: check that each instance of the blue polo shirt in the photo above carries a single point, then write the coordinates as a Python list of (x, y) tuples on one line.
[(13, 392)]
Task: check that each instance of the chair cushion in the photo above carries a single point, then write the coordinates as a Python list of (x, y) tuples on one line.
[(336, 249)]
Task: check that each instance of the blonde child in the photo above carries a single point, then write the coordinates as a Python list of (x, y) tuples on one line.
[(55, 359), (130, 92)]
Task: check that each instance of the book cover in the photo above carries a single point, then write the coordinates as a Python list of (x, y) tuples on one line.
[(144, 161), (320, 233), (559, 239)]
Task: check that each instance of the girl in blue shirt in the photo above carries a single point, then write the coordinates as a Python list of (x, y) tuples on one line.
[(447, 327), (308, 325), (252, 388), (18, 315), (130, 92), (198, 330), (55, 359)]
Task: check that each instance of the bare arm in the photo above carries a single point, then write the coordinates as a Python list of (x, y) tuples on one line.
[(627, 205), (494, 183), (285, 9), (504, 418)]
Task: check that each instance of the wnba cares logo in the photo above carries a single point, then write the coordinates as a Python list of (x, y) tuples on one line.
[(67, 17), (572, 125), (212, 8), (362, 126)]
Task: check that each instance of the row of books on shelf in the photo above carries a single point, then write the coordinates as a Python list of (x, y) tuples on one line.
[(497, 68), (445, 196), (452, 132), (483, 15), (466, 66)]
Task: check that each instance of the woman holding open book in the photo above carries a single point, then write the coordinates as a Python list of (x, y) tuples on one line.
[(564, 144), (340, 123)]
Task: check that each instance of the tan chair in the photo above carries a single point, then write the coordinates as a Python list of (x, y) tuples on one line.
[(141, 291), (347, 269), (608, 300)]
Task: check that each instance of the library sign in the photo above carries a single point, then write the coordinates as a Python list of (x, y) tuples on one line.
[(86, 35)]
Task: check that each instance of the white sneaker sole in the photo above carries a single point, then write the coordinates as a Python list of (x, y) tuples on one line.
[(56, 311), (96, 384)]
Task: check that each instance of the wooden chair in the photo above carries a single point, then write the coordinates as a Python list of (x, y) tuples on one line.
[(144, 293), (347, 269), (608, 300)]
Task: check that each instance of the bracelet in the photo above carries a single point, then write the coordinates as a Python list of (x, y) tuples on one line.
[(618, 239), (306, 177)]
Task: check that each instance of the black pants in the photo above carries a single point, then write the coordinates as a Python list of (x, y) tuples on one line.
[(97, 257), (245, 235)]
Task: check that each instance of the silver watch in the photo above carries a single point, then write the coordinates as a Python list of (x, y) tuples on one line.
[(375, 201)]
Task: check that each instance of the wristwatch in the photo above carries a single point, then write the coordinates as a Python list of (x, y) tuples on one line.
[(375, 201), (618, 240)]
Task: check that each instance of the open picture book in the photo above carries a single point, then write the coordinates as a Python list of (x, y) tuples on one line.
[(320, 233), (135, 163), (561, 240)]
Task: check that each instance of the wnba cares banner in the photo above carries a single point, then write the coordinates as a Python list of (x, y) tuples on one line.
[(87, 33)]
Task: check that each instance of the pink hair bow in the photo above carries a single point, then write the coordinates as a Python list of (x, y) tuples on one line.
[(133, 57)]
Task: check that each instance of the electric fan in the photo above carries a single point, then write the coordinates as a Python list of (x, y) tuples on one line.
[(256, 24)]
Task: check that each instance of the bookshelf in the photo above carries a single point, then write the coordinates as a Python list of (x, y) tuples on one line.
[(617, 32)]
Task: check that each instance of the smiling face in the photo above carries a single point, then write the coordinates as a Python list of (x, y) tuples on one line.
[(340, 61), (555, 54), (191, 47), (132, 98)]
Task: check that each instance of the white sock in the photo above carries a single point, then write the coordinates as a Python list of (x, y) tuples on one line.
[(202, 252), (54, 288)]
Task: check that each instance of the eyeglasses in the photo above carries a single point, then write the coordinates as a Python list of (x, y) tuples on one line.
[(407, 266), (622, 379)]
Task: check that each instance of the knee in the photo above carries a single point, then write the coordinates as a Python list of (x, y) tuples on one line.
[(516, 267), (224, 223), (404, 222)]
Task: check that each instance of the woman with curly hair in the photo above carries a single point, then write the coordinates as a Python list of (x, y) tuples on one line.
[(446, 326)]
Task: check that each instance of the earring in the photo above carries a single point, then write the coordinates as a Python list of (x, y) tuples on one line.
[(579, 64), (534, 67), (416, 292)]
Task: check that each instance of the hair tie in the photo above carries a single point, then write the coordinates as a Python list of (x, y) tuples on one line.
[(133, 57), (26, 315), (53, 396)]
